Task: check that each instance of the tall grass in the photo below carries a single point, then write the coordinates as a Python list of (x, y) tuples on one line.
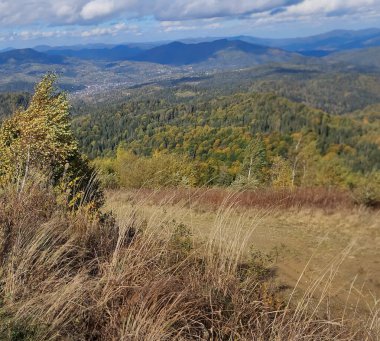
[(214, 198), (71, 276)]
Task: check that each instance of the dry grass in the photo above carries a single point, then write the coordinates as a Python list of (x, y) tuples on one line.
[(213, 198), (70, 276), (291, 235)]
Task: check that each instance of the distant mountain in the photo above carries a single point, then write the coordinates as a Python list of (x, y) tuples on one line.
[(322, 44), (24, 56), (120, 52), (45, 48), (232, 52), (7, 49), (367, 58)]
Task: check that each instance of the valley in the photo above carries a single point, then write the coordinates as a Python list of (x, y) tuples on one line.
[(95, 70), (215, 188)]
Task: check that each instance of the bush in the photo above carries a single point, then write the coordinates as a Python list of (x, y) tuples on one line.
[(160, 170), (367, 191)]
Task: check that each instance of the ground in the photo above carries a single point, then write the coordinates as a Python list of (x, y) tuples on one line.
[(330, 252)]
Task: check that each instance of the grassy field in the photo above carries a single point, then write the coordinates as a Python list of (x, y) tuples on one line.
[(330, 250), (187, 265)]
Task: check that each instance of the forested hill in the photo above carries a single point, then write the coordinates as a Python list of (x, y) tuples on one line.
[(219, 130)]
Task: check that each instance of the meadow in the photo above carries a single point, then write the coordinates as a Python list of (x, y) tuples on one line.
[(302, 235)]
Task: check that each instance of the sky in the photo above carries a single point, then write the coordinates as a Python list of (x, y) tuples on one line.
[(27, 23)]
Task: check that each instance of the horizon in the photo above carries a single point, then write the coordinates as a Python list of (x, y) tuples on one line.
[(181, 39), (67, 22)]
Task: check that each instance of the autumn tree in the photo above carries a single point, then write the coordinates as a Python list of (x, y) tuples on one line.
[(255, 164), (281, 173), (39, 139)]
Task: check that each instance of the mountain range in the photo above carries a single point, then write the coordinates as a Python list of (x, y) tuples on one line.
[(96, 66), (323, 44), (237, 50), (24, 56), (178, 53), (223, 52)]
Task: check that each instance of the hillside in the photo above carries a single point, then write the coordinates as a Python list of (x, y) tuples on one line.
[(186, 54), (313, 85), (325, 43), (367, 58), (216, 135), (288, 67), (25, 56), (117, 53)]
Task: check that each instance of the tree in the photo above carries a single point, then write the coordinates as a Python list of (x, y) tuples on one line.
[(282, 173), (39, 139), (255, 165)]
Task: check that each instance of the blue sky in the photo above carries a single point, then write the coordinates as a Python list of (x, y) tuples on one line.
[(26, 23)]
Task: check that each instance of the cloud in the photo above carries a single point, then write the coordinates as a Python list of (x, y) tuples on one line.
[(97, 8), (189, 25), (91, 18), (110, 30), (57, 12), (331, 7), (317, 13)]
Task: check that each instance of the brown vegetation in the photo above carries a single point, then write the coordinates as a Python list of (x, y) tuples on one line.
[(321, 198), (70, 276)]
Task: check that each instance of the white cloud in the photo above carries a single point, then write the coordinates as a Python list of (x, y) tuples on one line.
[(97, 8), (111, 30), (88, 18), (318, 11), (189, 25), (21, 12), (332, 7), (57, 12)]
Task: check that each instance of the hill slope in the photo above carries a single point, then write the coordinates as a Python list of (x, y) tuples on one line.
[(24, 56), (367, 58), (331, 41), (186, 54), (121, 52)]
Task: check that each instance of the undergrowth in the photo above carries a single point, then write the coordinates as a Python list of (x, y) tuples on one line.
[(73, 275)]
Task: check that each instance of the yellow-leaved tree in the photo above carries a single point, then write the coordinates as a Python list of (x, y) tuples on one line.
[(39, 139)]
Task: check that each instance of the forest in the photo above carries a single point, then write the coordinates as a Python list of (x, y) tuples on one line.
[(246, 139), (191, 135)]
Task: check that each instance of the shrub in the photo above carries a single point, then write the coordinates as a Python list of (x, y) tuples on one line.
[(160, 170), (367, 191)]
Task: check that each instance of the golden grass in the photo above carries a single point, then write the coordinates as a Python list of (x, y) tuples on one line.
[(70, 276), (291, 235)]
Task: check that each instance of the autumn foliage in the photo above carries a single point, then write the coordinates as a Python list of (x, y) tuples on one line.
[(39, 140)]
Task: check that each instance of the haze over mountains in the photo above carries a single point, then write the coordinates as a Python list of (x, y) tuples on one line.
[(175, 53), (24, 56), (85, 66), (327, 43)]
